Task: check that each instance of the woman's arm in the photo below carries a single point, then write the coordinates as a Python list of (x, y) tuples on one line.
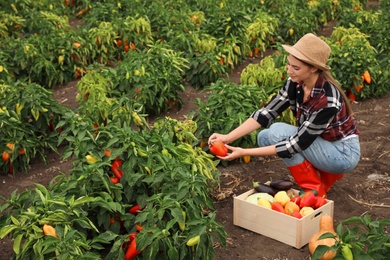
[(245, 128), (237, 152)]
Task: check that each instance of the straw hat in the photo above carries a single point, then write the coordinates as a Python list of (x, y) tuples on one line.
[(312, 50)]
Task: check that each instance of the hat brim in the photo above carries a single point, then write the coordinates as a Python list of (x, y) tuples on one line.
[(300, 56)]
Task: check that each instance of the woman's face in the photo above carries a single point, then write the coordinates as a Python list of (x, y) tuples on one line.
[(297, 70)]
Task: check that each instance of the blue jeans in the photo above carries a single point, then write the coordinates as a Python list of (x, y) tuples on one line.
[(336, 157)]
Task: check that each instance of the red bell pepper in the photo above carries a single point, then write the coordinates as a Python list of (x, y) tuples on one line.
[(308, 199), (218, 148), (296, 199), (320, 201)]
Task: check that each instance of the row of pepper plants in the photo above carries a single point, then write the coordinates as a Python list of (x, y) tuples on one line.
[(133, 178)]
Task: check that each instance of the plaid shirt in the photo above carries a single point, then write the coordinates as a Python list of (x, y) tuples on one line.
[(323, 114)]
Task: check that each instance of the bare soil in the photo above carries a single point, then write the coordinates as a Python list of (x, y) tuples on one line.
[(363, 191)]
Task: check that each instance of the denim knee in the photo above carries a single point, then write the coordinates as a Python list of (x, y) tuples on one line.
[(262, 138), (280, 132), (275, 133)]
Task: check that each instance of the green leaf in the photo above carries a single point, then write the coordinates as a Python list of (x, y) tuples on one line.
[(83, 200), (173, 253), (4, 206), (17, 242), (319, 252), (105, 237), (57, 202), (15, 221), (4, 231)]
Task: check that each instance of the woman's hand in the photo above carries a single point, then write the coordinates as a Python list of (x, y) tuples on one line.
[(215, 137), (247, 127), (235, 152)]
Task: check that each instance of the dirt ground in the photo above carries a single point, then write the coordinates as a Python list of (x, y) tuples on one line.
[(364, 191)]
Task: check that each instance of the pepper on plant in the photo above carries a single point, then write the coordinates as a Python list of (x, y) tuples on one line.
[(114, 168)]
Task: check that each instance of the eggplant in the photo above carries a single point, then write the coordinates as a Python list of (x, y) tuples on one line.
[(260, 187), (281, 185)]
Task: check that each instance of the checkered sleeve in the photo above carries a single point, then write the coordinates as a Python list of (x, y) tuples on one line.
[(280, 102)]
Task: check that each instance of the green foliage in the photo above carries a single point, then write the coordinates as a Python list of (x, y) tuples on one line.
[(65, 212), (374, 24), (93, 96), (227, 106), (264, 74), (152, 77), (260, 32), (162, 174), (204, 68), (132, 58), (295, 19), (362, 237), (28, 117), (352, 55)]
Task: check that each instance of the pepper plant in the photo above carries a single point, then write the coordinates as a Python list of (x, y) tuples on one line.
[(227, 106), (152, 77), (161, 172), (352, 56), (28, 114), (358, 238), (63, 211), (259, 33)]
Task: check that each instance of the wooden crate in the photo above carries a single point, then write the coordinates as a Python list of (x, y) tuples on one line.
[(281, 227)]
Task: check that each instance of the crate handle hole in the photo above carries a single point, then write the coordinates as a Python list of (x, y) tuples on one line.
[(316, 215)]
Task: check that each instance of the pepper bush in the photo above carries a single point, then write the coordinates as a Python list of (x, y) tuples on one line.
[(28, 117), (352, 54), (227, 106), (358, 238), (162, 173)]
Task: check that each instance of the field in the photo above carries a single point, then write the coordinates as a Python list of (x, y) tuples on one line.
[(98, 89), (364, 191)]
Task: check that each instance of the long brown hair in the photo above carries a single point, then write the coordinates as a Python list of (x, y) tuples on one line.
[(330, 78)]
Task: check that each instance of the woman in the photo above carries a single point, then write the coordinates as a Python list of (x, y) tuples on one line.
[(325, 143)]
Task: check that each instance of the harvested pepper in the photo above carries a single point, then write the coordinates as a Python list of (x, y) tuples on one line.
[(320, 201), (218, 148), (278, 207), (308, 199), (296, 199)]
